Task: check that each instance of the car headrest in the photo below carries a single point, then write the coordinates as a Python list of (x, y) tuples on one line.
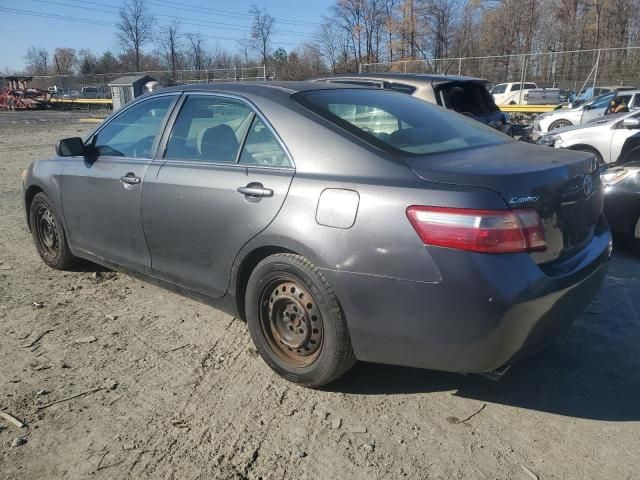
[(218, 144)]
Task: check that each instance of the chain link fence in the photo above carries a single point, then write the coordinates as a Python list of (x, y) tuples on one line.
[(99, 83), (572, 70)]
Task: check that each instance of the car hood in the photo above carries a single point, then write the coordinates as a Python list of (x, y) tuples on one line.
[(559, 112)]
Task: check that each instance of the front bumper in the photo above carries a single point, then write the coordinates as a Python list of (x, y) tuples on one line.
[(487, 311)]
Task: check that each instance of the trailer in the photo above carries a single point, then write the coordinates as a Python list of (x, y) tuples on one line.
[(16, 94)]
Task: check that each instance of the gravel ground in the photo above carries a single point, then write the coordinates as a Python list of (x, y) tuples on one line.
[(115, 378)]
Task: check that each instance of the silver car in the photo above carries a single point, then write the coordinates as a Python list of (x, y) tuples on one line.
[(605, 138), (340, 222), (567, 117)]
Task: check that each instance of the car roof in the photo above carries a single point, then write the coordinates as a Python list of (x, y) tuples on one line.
[(413, 79), (257, 88), (626, 92), (618, 87)]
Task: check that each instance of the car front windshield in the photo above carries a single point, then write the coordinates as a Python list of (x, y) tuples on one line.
[(602, 101), (399, 123)]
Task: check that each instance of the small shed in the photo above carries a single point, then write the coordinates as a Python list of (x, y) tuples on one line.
[(125, 89)]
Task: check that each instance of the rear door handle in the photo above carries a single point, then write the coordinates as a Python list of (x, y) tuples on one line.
[(130, 179), (255, 190)]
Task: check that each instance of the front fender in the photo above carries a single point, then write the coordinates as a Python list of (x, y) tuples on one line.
[(44, 176)]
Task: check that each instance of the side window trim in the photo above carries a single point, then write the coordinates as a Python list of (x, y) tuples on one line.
[(244, 137), (163, 125), (162, 146)]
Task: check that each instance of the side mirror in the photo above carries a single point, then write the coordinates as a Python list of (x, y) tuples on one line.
[(71, 147), (631, 122)]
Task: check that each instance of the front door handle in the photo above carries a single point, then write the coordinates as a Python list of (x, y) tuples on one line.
[(130, 179), (255, 190)]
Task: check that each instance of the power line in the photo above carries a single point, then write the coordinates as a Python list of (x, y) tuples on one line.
[(97, 22), (229, 13), (185, 20), (55, 16)]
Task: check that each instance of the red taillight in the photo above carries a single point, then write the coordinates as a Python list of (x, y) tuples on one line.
[(487, 231)]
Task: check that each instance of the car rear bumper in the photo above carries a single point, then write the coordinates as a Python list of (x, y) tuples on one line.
[(487, 311)]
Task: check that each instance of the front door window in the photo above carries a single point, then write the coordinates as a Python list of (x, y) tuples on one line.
[(132, 132)]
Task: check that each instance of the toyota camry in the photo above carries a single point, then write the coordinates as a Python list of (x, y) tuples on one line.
[(340, 222)]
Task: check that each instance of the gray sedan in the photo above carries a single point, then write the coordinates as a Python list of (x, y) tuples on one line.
[(340, 222)]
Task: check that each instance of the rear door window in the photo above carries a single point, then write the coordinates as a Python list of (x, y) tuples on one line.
[(209, 129), (529, 86)]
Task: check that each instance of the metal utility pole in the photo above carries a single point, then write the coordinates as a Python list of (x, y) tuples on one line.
[(595, 75)]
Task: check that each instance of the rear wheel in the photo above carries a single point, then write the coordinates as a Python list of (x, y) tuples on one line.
[(296, 321), (48, 234), (560, 124)]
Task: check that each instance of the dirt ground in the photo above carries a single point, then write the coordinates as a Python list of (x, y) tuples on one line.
[(152, 385)]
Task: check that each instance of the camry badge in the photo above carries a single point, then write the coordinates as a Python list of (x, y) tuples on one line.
[(521, 200), (587, 185)]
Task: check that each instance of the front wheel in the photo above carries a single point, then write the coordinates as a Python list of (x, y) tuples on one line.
[(560, 124), (596, 153), (296, 322), (48, 234)]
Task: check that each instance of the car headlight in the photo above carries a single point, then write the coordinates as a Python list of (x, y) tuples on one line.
[(610, 177), (551, 141)]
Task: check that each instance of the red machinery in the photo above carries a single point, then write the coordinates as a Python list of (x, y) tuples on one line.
[(16, 94)]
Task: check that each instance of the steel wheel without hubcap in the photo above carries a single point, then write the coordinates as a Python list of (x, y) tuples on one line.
[(290, 321), (47, 232)]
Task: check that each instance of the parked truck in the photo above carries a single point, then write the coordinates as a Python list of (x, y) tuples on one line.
[(526, 93)]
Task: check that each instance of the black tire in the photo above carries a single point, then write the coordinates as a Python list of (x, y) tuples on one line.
[(48, 234), (296, 321), (596, 153), (560, 124)]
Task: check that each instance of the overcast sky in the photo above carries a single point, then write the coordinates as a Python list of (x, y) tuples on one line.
[(65, 23)]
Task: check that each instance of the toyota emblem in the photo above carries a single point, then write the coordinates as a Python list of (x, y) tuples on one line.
[(587, 185)]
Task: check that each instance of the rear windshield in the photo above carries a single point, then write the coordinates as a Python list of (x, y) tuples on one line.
[(467, 97), (399, 122)]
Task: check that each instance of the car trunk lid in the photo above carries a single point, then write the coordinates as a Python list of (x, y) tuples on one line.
[(562, 186)]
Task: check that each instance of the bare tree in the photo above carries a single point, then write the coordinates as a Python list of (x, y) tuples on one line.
[(38, 62), (244, 44), (330, 41), (65, 60), (440, 21), (170, 43), (261, 32), (135, 28), (197, 54)]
